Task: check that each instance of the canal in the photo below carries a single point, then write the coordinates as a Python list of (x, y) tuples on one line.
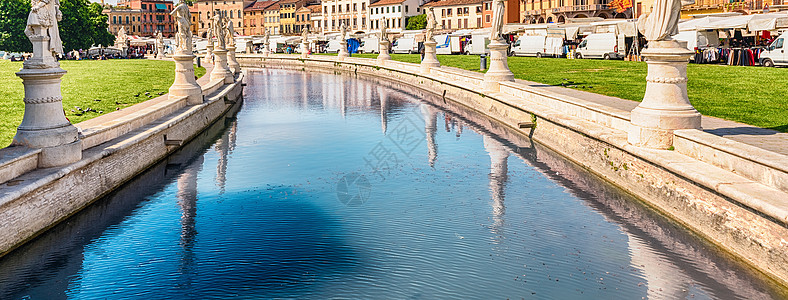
[(334, 186)]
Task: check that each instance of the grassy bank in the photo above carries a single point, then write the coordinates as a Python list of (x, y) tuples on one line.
[(751, 95), (116, 83)]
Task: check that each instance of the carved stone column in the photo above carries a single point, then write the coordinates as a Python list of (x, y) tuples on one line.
[(499, 67), (44, 125), (209, 52), (665, 106), (232, 63), (304, 50), (430, 57), (185, 84), (220, 68), (343, 50), (384, 51)]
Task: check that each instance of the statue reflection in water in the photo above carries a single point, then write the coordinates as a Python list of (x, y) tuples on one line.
[(498, 176), (430, 115)]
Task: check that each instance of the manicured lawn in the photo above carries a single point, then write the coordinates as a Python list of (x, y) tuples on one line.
[(115, 82), (751, 95)]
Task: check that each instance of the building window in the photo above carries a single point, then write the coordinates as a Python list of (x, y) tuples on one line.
[(478, 22), (354, 7), (487, 18), (406, 9), (363, 6), (478, 9)]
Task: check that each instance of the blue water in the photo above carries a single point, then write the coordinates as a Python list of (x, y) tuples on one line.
[(333, 186)]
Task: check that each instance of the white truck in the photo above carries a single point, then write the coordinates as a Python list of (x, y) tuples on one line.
[(539, 46), (405, 45), (478, 44), (443, 45), (601, 45), (775, 54), (369, 45), (333, 46)]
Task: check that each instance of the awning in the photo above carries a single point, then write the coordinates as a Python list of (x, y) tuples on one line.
[(161, 6)]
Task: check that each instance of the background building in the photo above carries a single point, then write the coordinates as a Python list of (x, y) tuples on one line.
[(119, 17), (458, 14), (354, 13), (557, 11), (233, 8), (287, 15), (155, 16), (394, 12), (271, 15), (254, 17), (304, 17)]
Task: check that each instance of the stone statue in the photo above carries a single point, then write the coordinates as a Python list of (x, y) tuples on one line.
[(343, 31), (266, 37), (42, 22), (120, 40), (432, 24), (499, 8), (229, 32), (304, 34), (183, 38), (384, 37), (663, 20), (218, 29)]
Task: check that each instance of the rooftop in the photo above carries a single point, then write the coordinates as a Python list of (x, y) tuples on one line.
[(260, 5), (387, 2), (452, 3)]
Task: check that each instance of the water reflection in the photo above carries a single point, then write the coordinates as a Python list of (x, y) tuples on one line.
[(497, 216)]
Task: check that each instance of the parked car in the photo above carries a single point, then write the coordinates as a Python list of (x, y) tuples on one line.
[(405, 45), (775, 54), (539, 46), (601, 45)]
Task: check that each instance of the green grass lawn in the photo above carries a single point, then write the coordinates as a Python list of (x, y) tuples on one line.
[(751, 95), (115, 82)]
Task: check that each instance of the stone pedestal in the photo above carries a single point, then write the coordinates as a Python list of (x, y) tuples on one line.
[(232, 63), (185, 84), (384, 51), (44, 125), (430, 57), (160, 52), (305, 50), (665, 105), (220, 68), (209, 53), (266, 51), (343, 50), (499, 67)]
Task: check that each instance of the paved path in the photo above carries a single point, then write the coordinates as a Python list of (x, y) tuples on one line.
[(767, 139)]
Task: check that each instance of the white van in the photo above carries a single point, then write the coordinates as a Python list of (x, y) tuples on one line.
[(699, 39), (405, 45), (775, 54), (333, 46), (600, 45), (478, 44), (539, 46), (369, 45), (443, 45)]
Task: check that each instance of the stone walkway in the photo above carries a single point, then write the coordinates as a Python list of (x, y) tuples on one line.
[(766, 139)]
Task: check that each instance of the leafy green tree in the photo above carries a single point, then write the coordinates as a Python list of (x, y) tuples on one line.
[(417, 22), (13, 19), (83, 25)]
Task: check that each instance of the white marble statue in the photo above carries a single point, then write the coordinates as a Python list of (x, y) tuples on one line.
[(183, 38), (304, 34), (663, 20), (384, 37), (343, 31), (432, 24), (121, 38), (42, 22), (229, 33), (218, 29), (266, 37), (499, 8)]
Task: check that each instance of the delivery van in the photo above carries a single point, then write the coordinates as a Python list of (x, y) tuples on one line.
[(539, 46), (333, 46), (478, 44), (601, 45), (405, 45), (369, 45), (775, 55), (701, 39)]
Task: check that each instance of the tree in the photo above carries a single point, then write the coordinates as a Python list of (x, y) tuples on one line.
[(82, 26), (13, 19), (417, 22)]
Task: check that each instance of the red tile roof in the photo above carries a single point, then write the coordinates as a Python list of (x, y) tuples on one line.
[(260, 5)]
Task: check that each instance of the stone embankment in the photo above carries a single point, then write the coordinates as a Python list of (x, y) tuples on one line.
[(731, 193), (114, 148)]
